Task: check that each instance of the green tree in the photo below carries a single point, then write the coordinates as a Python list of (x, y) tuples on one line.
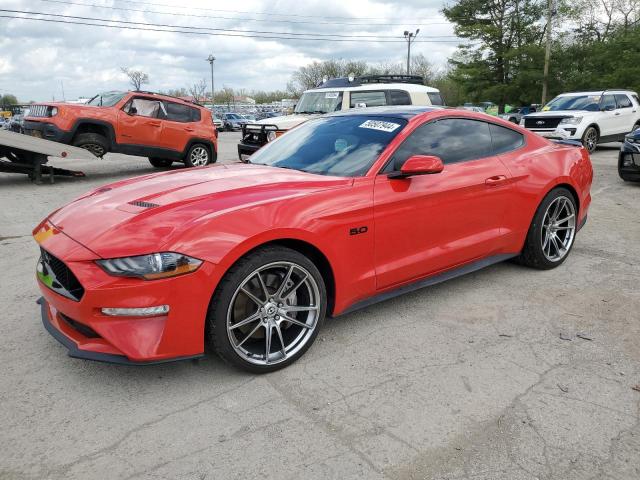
[(8, 99)]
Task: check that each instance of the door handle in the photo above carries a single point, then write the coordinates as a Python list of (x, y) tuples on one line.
[(495, 180), (154, 124), (188, 129), (617, 113)]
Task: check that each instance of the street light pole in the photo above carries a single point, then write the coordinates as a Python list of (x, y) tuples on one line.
[(212, 59), (410, 37)]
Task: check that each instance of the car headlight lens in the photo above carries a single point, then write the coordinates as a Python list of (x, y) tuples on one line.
[(271, 136), (522, 122), (54, 111), (571, 120), (151, 267), (630, 139)]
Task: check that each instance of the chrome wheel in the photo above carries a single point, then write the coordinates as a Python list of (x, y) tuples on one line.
[(199, 157), (591, 139), (273, 313), (558, 228)]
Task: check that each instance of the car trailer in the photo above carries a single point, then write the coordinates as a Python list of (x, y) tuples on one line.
[(25, 154)]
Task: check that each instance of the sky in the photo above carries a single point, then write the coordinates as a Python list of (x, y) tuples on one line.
[(38, 59)]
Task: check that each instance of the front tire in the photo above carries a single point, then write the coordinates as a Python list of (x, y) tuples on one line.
[(267, 310), (590, 139), (198, 156), (552, 231), (94, 142)]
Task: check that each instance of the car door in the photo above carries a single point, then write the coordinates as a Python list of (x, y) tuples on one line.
[(426, 224), (138, 123), (178, 125), (608, 120), (626, 112)]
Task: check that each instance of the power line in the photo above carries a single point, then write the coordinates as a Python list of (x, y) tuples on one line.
[(193, 32), (189, 27), (244, 19)]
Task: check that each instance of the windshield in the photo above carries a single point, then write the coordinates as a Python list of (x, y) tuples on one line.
[(590, 103), (233, 116), (106, 99), (319, 102), (340, 146)]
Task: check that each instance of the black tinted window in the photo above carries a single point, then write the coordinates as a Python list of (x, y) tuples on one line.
[(436, 98), (177, 112), (622, 100), (504, 139), (399, 97), (368, 99), (451, 139)]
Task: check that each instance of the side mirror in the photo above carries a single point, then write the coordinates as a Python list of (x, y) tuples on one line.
[(419, 165), (132, 110)]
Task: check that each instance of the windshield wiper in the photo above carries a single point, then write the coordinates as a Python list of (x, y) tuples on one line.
[(312, 111)]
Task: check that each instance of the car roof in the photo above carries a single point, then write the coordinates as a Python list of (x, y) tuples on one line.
[(400, 111), (409, 87), (595, 92)]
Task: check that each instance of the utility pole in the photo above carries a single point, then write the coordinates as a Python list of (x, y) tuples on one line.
[(212, 59), (547, 53), (62, 86), (410, 37)]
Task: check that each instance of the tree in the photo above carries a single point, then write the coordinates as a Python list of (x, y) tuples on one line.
[(199, 91), (8, 99), (136, 77), (312, 75), (508, 35)]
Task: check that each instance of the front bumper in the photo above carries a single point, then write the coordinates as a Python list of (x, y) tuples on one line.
[(79, 324), (46, 130), (568, 132), (629, 162)]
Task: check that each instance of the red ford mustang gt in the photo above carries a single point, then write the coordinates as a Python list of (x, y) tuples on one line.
[(340, 212)]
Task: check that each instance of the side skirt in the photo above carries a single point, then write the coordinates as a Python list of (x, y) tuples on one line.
[(426, 282)]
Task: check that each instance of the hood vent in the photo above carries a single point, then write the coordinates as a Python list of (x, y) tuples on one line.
[(141, 204)]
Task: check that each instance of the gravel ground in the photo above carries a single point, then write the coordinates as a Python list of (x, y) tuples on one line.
[(469, 379)]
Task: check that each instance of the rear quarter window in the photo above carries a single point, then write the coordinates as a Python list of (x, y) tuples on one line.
[(399, 97), (504, 139), (435, 98)]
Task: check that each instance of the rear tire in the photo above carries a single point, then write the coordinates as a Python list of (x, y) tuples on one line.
[(284, 284), (160, 162), (198, 155), (94, 142), (552, 231)]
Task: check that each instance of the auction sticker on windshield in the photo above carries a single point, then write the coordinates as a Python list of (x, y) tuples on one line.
[(331, 95), (380, 125)]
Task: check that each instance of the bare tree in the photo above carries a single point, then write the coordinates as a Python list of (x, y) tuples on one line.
[(136, 77), (199, 90)]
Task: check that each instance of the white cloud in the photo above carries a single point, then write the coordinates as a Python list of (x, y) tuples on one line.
[(38, 56)]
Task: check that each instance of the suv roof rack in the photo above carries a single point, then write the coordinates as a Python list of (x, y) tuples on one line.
[(366, 79)]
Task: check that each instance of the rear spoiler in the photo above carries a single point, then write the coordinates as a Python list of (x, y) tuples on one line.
[(573, 143)]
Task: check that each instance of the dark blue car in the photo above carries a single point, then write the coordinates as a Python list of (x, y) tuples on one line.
[(629, 158)]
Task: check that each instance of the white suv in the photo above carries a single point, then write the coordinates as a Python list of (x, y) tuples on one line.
[(589, 117), (340, 94)]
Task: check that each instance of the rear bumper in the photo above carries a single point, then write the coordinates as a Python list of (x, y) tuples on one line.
[(48, 131)]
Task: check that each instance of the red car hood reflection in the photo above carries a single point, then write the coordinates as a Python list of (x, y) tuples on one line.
[(143, 215)]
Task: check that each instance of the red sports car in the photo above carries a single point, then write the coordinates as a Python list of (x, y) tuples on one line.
[(340, 212)]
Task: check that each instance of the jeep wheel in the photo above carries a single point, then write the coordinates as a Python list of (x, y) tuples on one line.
[(160, 162), (590, 139), (198, 156), (94, 142)]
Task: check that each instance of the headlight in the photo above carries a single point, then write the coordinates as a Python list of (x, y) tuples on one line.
[(54, 111), (522, 122), (570, 121), (631, 139), (271, 136), (151, 267)]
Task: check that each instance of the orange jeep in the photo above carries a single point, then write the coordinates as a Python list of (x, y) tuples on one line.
[(165, 129)]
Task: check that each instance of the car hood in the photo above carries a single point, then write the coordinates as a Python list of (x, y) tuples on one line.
[(147, 214), (559, 113), (286, 122)]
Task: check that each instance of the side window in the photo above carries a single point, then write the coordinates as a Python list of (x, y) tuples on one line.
[(195, 114), (399, 97), (504, 139), (636, 98), (623, 101), (177, 112), (144, 108), (608, 102), (452, 139), (435, 98), (368, 99)]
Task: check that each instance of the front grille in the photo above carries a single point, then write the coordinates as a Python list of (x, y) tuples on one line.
[(80, 327), (542, 122), (39, 111), (62, 276)]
